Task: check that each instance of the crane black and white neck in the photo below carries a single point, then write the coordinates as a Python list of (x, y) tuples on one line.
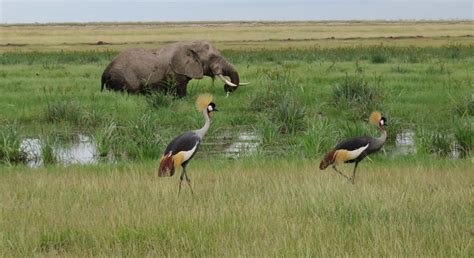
[(183, 148), (355, 149)]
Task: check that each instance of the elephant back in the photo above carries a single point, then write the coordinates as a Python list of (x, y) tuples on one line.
[(136, 67)]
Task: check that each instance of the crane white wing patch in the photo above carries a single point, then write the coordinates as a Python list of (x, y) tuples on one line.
[(355, 153), (186, 155)]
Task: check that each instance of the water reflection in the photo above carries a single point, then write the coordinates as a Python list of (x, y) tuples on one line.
[(81, 151), (405, 143), (246, 144), (32, 148)]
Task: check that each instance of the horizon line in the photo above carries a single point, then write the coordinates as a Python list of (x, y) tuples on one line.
[(230, 21)]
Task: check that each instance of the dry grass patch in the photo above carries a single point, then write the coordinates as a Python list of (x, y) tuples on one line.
[(234, 35), (240, 208)]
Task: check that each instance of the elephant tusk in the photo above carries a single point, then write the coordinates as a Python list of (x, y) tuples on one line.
[(226, 81), (244, 83)]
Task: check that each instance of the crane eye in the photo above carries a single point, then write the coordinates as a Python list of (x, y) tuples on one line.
[(209, 108)]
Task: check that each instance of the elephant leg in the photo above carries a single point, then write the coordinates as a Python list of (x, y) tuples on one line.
[(181, 85)]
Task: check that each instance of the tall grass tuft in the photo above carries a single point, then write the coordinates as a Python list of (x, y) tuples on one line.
[(349, 130), (319, 138), (138, 139), (394, 127), (437, 69), (142, 138), (463, 107), (433, 142), (158, 99), (63, 111), (454, 51), (378, 58), (279, 101), (10, 145), (354, 94), (268, 132), (91, 117), (73, 113), (379, 55), (290, 115), (464, 135), (277, 84), (48, 147), (106, 138)]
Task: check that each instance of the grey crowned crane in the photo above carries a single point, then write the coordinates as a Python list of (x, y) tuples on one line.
[(182, 148), (354, 150)]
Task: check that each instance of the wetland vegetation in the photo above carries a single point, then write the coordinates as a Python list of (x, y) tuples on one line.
[(308, 91)]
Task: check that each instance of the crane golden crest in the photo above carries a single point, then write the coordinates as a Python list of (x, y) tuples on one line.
[(203, 101), (375, 117)]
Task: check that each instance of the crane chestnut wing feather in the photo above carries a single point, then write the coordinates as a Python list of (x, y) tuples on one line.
[(353, 143), (184, 142)]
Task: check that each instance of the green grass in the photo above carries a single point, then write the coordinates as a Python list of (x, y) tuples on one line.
[(11, 151), (248, 207), (290, 90), (354, 94), (464, 135), (48, 149)]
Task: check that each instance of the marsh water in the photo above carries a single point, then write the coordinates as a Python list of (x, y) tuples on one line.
[(83, 150), (405, 143), (80, 151)]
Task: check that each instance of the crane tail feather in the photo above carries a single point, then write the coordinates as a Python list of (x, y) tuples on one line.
[(166, 166)]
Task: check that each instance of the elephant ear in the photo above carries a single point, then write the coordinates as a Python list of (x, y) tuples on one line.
[(185, 61)]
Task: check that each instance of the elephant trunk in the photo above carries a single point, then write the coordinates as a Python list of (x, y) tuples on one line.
[(229, 70)]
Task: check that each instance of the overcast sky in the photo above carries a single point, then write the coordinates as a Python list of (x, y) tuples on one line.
[(41, 11)]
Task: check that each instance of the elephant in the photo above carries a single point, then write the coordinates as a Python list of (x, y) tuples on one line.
[(168, 68)]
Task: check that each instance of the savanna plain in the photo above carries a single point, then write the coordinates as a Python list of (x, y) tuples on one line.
[(313, 84)]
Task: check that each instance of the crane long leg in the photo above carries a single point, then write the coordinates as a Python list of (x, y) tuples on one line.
[(181, 180), (354, 173), (188, 180), (340, 173)]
